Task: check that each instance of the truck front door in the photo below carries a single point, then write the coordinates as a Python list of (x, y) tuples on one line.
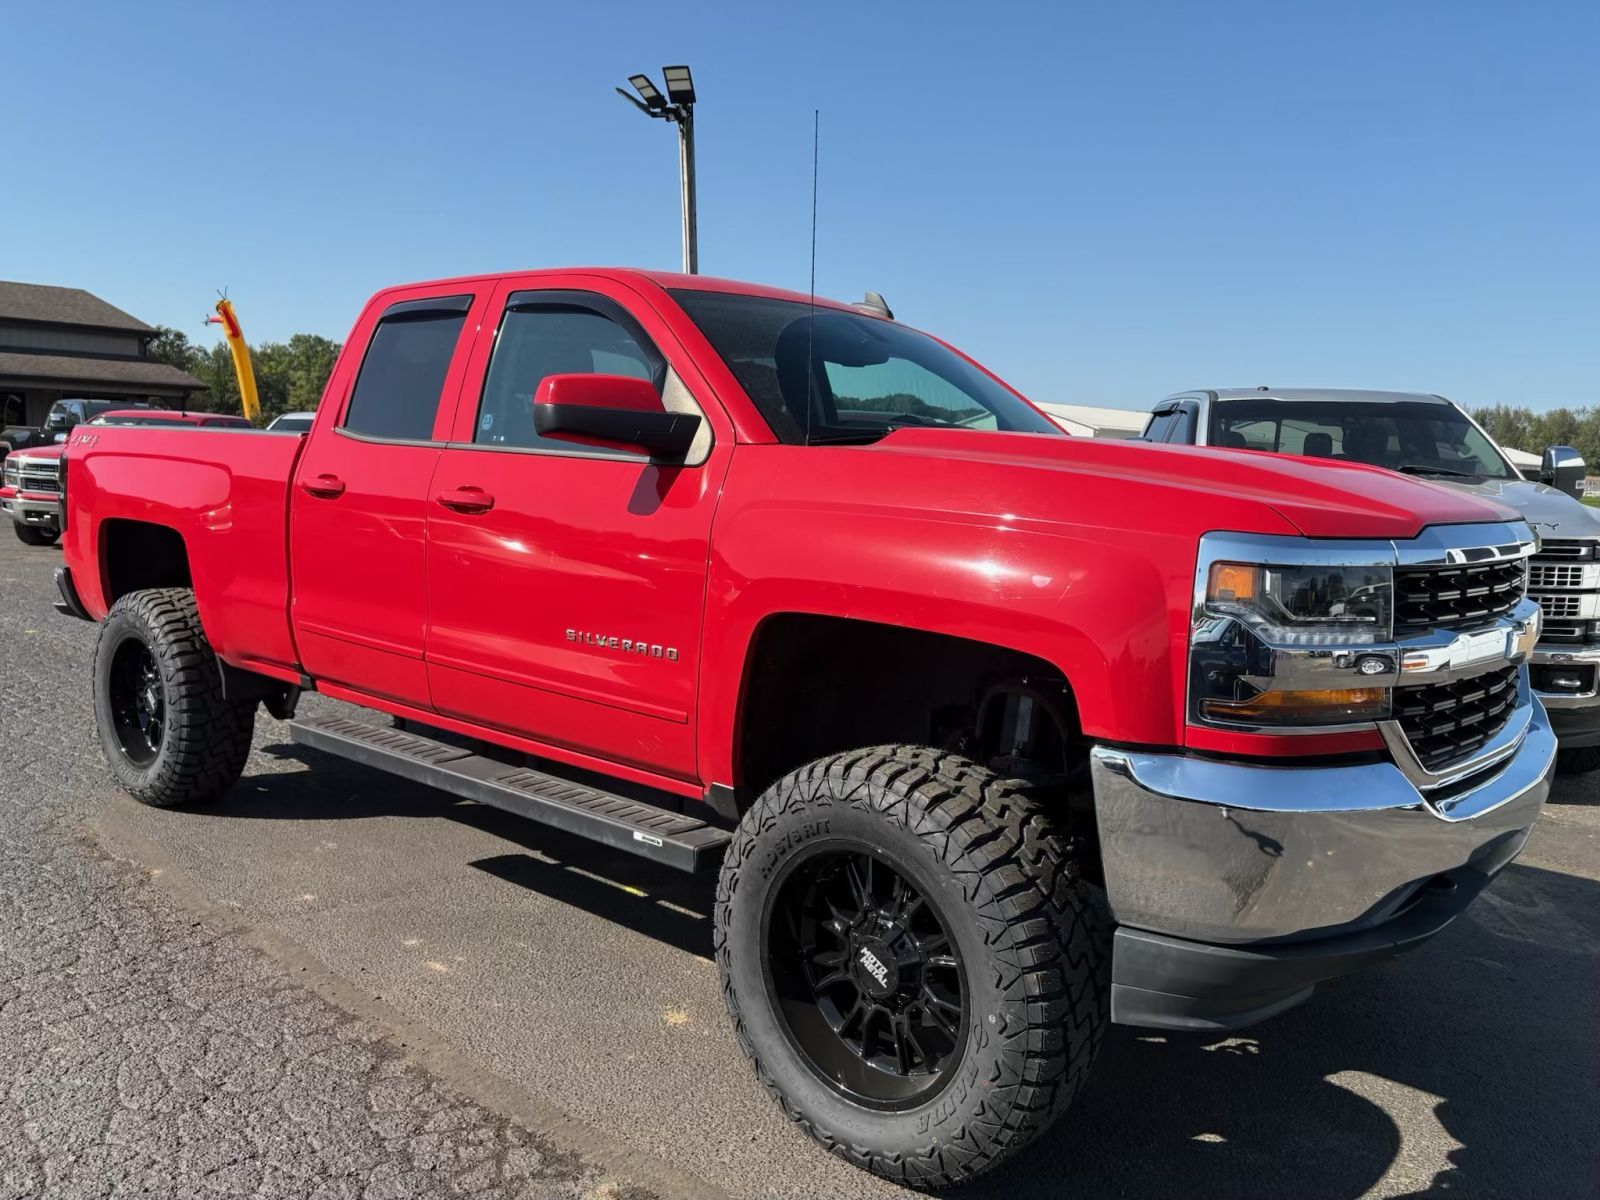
[(566, 583), (358, 504)]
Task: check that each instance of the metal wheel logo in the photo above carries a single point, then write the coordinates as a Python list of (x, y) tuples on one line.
[(875, 967)]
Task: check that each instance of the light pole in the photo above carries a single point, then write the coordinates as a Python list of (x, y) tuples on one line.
[(676, 106)]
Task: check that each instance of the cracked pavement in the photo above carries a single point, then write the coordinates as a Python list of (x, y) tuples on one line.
[(334, 983)]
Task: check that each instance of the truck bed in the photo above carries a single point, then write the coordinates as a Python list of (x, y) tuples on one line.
[(225, 493)]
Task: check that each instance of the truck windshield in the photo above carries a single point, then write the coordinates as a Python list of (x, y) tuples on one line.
[(1417, 438), (823, 376)]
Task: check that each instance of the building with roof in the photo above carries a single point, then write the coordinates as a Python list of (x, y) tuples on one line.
[(1085, 420), (60, 343)]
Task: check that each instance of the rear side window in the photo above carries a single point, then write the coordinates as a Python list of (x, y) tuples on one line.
[(397, 393)]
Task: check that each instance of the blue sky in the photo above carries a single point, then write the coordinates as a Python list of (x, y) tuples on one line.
[(1103, 202)]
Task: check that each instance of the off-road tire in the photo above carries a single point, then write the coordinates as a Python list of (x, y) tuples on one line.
[(1036, 939), (1578, 762), (33, 535), (206, 738)]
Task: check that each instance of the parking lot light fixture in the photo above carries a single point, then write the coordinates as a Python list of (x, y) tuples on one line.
[(680, 111), (652, 98), (680, 84)]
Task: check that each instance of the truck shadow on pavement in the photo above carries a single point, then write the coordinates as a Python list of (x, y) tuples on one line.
[(1481, 1044)]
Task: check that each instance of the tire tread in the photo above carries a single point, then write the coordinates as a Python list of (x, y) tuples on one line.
[(1049, 936), (211, 734)]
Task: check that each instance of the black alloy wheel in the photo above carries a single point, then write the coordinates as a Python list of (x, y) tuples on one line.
[(138, 702), (169, 732), (868, 981)]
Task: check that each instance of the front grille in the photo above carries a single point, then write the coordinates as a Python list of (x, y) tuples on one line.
[(1447, 722), (1547, 576), (39, 476), (1571, 633), (1559, 608), (1428, 598), (1565, 580), (1570, 549)]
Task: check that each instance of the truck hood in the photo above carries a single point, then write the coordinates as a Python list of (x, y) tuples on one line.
[(1552, 514), (1319, 498), (50, 453)]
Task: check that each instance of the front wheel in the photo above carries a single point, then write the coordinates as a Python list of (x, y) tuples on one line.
[(911, 960), (1580, 761), (36, 535), (168, 734)]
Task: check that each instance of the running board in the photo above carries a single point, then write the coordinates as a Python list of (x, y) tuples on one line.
[(687, 843)]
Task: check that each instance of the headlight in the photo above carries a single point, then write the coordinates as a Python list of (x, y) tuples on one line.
[(1252, 614), (1306, 606)]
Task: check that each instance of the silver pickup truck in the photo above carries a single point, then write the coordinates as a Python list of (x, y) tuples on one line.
[(1435, 439)]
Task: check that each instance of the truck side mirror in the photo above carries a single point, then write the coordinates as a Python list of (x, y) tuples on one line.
[(1563, 468), (614, 412)]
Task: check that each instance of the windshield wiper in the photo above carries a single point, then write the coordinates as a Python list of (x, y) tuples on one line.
[(1421, 469)]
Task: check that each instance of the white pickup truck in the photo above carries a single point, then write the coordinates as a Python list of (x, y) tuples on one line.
[(1434, 438)]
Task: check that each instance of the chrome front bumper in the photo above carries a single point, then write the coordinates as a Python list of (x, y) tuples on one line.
[(1231, 853), (32, 512)]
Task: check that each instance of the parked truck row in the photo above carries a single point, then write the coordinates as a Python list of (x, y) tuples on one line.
[(1431, 438), (994, 736)]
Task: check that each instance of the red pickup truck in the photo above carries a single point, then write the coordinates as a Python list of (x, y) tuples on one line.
[(997, 735)]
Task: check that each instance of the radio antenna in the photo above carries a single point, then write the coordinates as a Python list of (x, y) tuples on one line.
[(811, 310)]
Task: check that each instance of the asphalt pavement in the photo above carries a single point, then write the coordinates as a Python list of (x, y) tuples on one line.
[(336, 983)]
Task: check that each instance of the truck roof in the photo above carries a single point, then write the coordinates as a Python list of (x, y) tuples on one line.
[(1327, 395), (671, 280)]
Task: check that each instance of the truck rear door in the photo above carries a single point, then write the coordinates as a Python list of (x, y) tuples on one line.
[(566, 583), (358, 506)]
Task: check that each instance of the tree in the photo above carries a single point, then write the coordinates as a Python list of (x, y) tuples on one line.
[(1524, 429), (290, 376), (173, 347)]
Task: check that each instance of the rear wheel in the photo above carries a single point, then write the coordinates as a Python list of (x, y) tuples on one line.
[(35, 535), (168, 734), (911, 960)]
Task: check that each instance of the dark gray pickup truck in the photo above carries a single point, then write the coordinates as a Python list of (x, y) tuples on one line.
[(1431, 437)]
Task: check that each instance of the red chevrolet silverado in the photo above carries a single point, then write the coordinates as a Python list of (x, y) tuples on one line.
[(997, 735)]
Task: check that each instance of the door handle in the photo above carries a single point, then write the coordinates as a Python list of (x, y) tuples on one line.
[(326, 487), (466, 499)]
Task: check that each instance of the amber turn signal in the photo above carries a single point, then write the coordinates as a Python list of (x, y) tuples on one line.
[(1233, 581), (1319, 707)]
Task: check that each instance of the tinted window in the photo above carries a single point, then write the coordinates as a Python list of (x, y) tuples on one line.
[(132, 419), (551, 339), (1160, 425), (397, 393), (1182, 431), (1419, 438), (826, 375)]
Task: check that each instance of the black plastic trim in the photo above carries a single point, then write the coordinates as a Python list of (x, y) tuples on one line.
[(1162, 982), (1575, 728), (724, 800), (667, 435), (69, 605), (427, 305)]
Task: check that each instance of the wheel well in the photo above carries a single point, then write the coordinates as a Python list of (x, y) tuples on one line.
[(137, 555), (816, 686)]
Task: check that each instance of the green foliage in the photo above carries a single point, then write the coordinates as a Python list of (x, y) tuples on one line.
[(1524, 429), (290, 375), (909, 405)]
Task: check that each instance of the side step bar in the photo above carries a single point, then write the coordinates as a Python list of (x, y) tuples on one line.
[(686, 843)]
